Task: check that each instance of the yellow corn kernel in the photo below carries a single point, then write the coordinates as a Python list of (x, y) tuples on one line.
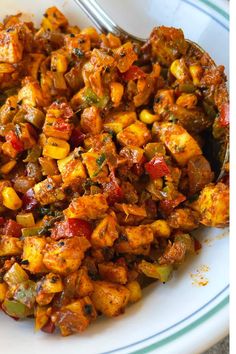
[(179, 69), (56, 148), (160, 228), (196, 72), (25, 220), (91, 33), (3, 291), (187, 100), (7, 167), (117, 91), (147, 117), (11, 199), (135, 291)]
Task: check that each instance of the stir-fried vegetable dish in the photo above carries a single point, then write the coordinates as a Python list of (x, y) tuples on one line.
[(103, 170)]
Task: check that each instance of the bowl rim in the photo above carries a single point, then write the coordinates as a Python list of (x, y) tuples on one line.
[(219, 12)]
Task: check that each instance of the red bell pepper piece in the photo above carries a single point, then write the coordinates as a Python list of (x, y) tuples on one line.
[(16, 143), (2, 221), (71, 228), (77, 137), (224, 115), (133, 73), (12, 228), (157, 167)]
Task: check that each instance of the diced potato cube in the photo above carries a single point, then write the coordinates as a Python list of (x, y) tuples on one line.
[(49, 191), (91, 121), (139, 236), (91, 32), (10, 246), (114, 41), (11, 48), (31, 94), (53, 19), (135, 291), (33, 254), (72, 170), (117, 122), (49, 166), (125, 56), (3, 291), (105, 232), (78, 44), (117, 91), (113, 272), (111, 299), (8, 149), (213, 205), (56, 148), (87, 207), (63, 256), (33, 68), (184, 219), (95, 164), (75, 317), (179, 142), (50, 284), (59, 62), (161, 228), (57, 128), (8, 110), (41, 315), (84, 285), (25, 220), (136, 134)]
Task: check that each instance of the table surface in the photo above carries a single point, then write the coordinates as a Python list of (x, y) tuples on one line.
[(220, 348)]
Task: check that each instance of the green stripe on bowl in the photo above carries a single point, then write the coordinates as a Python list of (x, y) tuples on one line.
[(216, 8), (184, 330)]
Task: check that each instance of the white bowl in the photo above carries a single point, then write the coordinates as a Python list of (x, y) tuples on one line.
[(178, 317)]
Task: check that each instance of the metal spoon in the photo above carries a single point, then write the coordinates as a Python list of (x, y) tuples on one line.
[(105, 24)]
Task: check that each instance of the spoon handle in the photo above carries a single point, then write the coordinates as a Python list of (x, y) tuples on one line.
[(98, 16), (102, 20)]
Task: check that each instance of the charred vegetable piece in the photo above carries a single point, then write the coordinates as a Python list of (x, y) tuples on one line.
[(152, 270)]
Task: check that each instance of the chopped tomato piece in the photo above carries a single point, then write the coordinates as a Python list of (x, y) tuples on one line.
[(12, 228), (71, 228), (16, 143), (224, 115), (157, 167), (138, 168), (113, 190), (49, 327), (61, 125), (133, 73), (29, 201), (77, 138), (167, 205)]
